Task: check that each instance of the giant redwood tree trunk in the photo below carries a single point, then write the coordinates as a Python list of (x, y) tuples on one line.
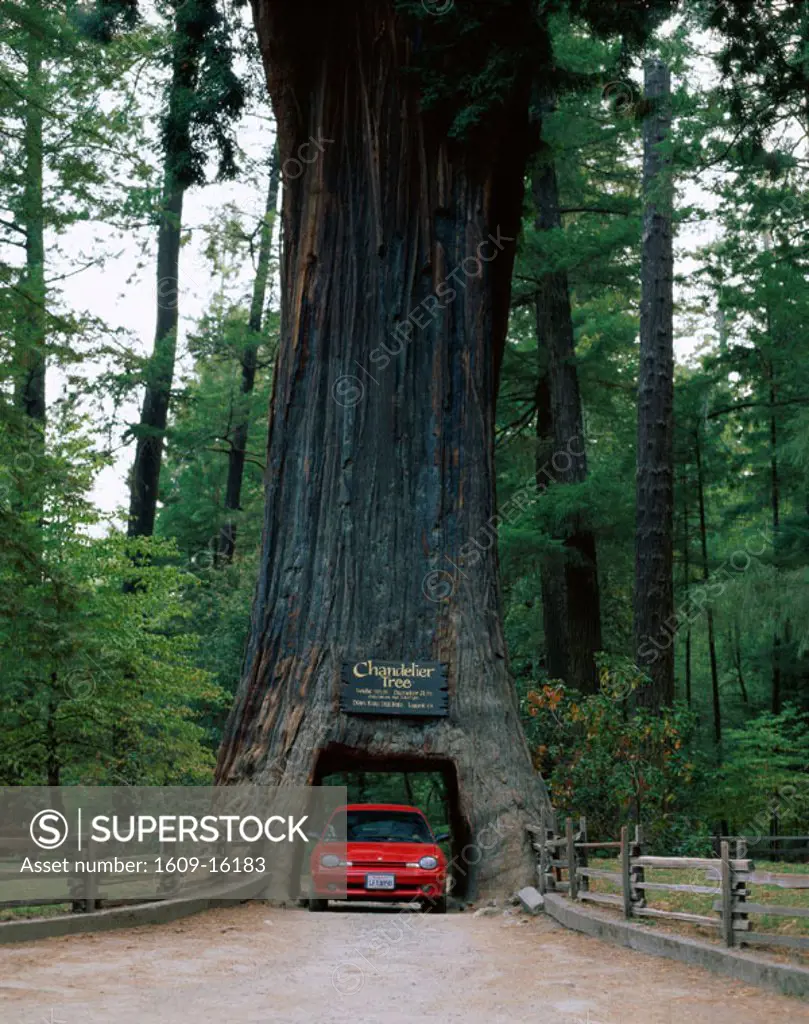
[(380, 478)]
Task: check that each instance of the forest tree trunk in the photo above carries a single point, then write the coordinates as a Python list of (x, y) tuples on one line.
[(775, 504), (150, 432), (32, 329), (249, 360), (654, 621), (736, 646), (552, 575), (398, 253), (204, 98), (703, 537), (686, 585), (581, 623)]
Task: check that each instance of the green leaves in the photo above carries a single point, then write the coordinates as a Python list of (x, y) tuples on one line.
[(96, 685), (205, 96), (765, 775), (615, 764)]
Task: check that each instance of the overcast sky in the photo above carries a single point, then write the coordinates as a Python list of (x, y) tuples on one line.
[(123, 292)]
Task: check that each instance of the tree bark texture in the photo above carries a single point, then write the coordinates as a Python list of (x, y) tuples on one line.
[(249, 358), (396, 271), (735, 643), (32, 329), (686, 586), (581, 615), (703, 538), (150, 432), (776, 700), (654, 592), (552, 569)]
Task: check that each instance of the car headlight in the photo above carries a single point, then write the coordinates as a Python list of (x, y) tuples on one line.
[(428, 863), (330, 860)]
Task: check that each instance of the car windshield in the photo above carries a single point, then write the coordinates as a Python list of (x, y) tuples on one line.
[(386, 827)]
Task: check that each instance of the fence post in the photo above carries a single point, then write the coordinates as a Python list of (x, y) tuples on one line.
[(638, 874), (727, 895), (584, 881), (740, 890), (573, 889), (557, 856), (626, 886), (542, 839)]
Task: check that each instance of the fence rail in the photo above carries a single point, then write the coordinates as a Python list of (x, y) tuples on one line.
[(731, 876), (86, 893)]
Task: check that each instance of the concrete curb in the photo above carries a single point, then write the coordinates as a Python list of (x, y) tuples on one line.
[(785, 978), (160, 912)]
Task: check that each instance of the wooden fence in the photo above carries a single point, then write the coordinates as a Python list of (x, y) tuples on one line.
[(563, 867), (86, 891)]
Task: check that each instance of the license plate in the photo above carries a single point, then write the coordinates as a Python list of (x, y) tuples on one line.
[(380, 882)]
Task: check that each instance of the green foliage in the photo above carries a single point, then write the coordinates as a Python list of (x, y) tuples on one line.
[(471, 60), (96, 685), (195, 472), (763, 62), (93, 139), (741, 399), (615, 765), (764, 777), (425, 790), (102, 685), (205, 96)]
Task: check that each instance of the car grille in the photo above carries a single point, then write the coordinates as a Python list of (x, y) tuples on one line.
[(380, 865)]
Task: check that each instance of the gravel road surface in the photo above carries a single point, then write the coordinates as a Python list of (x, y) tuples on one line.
[(255, 965)]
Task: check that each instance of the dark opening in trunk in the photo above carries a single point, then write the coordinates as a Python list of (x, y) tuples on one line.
[(431, 784)]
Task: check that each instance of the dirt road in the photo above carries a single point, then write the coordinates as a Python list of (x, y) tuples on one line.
[(255, 965)]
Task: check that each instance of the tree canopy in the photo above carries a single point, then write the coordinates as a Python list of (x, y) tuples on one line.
[(105, 682)]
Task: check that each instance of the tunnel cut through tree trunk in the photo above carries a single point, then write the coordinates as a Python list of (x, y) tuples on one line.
[(396, 274), (463, 862)]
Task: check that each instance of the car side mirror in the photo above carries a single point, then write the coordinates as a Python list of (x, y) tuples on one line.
[(442, 837)]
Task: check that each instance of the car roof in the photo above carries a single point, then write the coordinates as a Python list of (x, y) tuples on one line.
[(383, 807)]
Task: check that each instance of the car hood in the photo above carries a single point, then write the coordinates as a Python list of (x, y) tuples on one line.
[(386, 851)]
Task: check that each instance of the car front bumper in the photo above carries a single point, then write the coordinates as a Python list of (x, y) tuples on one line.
[(349, 884)]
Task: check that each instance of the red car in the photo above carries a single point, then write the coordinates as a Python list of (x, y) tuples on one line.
[(388, 853)]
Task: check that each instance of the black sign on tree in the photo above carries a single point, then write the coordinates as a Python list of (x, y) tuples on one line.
[(394, 688)]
